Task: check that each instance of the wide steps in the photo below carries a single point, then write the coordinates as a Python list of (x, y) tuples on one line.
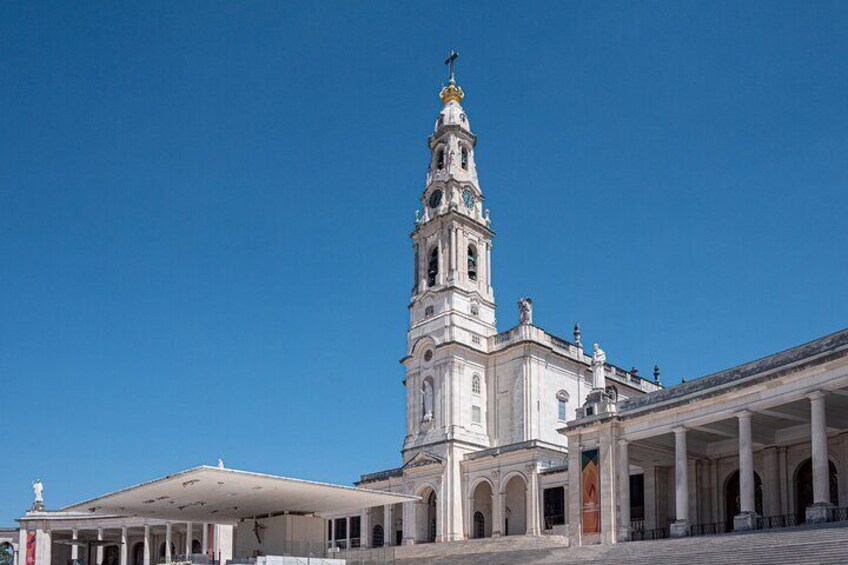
[(821, 545)]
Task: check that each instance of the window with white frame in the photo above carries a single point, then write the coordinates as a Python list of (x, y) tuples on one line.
[(562, 405), (476, 415), (475, 384)]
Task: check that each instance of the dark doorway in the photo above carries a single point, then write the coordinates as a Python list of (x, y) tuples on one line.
[(479, 525), (804, 488), (732, 501)]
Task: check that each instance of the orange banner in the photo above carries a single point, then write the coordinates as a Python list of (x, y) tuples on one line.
[(590, 481), (30, 548)]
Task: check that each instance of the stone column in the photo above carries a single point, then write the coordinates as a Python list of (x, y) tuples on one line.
[(497, 512), (410, 522), (365, 528), (204, 540), (650, 478), (783, 479), (43, 546), (680, 527), (843, 484), (819, 511), (347, 532), (124, 548), (188, 538), (146, 545), (168, 535), (388, 525), (771, 504), (745, 521), (75, 547), (489, 266), (533, 528), (623, 490), (574, 505), (22, 546), (99, 550), (608, 469)]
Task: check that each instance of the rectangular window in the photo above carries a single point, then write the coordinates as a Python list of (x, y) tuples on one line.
[(476, 415), (354, 531), (561, 404), (341, 529), (475, 339), (428, 311), (554, 507), (637, 497)]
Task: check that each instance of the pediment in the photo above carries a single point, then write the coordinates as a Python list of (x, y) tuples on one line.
[(423, 459)]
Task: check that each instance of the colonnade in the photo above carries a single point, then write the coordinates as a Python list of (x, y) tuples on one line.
[(746, 519), (46, 531)]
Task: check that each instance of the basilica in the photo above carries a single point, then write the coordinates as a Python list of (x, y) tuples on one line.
[(521, 432), (516, 432)]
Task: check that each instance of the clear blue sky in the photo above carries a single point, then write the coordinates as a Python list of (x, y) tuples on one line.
[(204, 211)]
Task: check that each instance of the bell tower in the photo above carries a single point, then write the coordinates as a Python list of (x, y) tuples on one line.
[(451, 318), (452, 297)]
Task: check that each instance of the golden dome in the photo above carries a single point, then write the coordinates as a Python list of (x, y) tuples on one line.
[(451, 93)]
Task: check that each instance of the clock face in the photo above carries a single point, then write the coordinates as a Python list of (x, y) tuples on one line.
[(435, 198), (468, 198)]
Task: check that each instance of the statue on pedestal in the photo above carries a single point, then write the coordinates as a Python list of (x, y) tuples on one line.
[(525, 311), (38, 491), (599, 359)]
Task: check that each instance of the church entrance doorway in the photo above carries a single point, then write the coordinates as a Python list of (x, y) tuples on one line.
[(138, 554), (515, 502), (425, 527), (481, 511), (804, 488), (732, 500)]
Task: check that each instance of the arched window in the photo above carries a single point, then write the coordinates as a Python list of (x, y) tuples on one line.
[(475, 384), (433, 267), (464, 155), (377, 536), (440, 158), (562, 405), (472, 262)]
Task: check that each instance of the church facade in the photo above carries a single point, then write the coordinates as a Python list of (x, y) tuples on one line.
[(521, 432), (482, 446)]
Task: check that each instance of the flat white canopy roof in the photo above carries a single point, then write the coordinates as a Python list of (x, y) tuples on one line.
[(214, 494)]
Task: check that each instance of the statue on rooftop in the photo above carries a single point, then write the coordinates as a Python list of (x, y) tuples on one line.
[(525, 311), (599, 359), (38, 491)]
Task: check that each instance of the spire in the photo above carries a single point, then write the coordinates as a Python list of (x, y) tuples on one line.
[(451, 92)]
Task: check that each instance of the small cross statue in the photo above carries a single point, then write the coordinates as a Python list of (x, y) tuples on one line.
[(451, 62)]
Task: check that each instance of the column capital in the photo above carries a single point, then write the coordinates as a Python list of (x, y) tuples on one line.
[(679, 430), (816, 395), (622, 442), (744, 414)]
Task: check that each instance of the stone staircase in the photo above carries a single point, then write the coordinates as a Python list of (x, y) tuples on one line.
[(809, 545)]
